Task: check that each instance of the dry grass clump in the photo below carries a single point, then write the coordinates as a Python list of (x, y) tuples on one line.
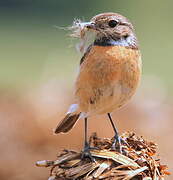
[(138, 161)]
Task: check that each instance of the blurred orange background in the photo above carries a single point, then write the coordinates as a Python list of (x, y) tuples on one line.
[(38, 66)]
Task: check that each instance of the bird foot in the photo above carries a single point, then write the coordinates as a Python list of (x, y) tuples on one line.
[(86, 152), (116, 146)]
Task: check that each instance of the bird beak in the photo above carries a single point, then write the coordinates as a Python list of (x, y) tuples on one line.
[(90, 25)]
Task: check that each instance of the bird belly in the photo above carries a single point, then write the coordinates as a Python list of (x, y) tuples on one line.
[(108, 78)]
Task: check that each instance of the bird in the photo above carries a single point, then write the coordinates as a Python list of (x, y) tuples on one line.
[(109, 73)]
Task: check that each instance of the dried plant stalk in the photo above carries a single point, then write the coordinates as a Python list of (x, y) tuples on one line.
[(136, 162)]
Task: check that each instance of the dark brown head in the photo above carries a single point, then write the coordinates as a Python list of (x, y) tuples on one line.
[(109, 29), (113, 28)]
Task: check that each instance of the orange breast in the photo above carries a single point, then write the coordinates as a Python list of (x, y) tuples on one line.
[(108, 77)]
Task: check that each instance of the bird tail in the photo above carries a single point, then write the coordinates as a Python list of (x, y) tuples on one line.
[(69, 120)]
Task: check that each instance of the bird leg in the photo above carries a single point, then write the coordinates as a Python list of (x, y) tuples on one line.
[(117, 140), (86, 150)]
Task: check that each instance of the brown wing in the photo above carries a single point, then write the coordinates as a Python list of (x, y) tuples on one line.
[(85, 54), (97, 72), (105, 75)]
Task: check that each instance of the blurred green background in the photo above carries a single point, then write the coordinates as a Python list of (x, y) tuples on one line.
[(38, 66), (31, 46)]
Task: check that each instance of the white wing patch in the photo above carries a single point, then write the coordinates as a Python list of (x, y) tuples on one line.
[(73, 108)]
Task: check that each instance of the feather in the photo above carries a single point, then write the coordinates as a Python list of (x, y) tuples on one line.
[(69, 120)]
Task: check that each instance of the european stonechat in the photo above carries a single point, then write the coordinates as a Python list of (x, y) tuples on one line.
[(110, 71)]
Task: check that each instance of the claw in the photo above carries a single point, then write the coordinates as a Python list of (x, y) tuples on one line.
[(117, 144), (86, 152)]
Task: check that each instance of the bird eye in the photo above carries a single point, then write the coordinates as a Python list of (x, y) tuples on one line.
[(112, 23)]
